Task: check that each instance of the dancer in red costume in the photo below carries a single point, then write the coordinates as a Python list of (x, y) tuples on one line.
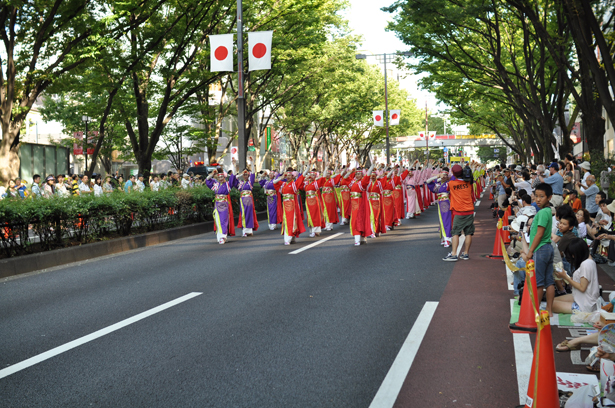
[(292, 221), (313, 203), (328, 198)]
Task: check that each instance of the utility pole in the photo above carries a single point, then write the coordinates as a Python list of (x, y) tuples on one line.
[(426, 129), (242, 143), (386, 112)]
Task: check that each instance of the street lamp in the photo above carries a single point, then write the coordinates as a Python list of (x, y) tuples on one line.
[(86, 119), (386, 95)]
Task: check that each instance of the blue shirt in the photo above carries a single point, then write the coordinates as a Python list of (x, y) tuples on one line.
[(536, 207), (501, 189), (127, 186), (556, 181)]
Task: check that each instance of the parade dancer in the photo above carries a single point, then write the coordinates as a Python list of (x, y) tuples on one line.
[(223, 210), (247, 219), (398, 196), (375, 213), (413, 208), (439, 186), (388, 202), (328, 199), (343, 197), (357, 183), (274, 202), (292, 221), (313, 203)]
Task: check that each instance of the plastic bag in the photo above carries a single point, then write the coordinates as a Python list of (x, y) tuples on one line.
[(584, 317), (581, 398)]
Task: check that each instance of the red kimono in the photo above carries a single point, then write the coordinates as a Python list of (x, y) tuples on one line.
[(358, 205), (328, 199), (313, 204), (398, 196), (375, 213), (345, 194), (292, 218), (388, 203)]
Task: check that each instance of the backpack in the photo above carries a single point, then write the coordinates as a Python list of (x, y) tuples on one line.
[(467, 174)]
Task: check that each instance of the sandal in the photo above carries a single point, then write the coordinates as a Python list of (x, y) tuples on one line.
[(565, 347)]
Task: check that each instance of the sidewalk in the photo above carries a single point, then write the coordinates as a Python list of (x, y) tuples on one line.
[(467, 357)]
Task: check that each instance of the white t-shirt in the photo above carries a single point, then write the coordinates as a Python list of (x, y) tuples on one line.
[(98, 191), (588, 300), (524, 185)]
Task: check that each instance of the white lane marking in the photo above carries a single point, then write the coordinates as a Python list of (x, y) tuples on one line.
[(509, 278), (462, 240), (315, 243), (391, 386), (93, 336), (523, 360), (477, 203)]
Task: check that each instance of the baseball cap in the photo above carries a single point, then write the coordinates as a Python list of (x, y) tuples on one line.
[(457, 170)]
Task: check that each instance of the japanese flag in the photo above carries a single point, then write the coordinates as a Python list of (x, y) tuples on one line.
[(260, 50), (378, 118), (394, 118), (421, 135), (432, 136), (221, 52)]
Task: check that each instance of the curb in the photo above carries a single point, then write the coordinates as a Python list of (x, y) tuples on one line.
[(43, 260)]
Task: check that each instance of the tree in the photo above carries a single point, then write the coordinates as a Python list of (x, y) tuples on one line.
[(488, 154), (487, 49), (42, 42)]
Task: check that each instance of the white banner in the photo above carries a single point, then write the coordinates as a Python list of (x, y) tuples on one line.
[(378, 118), (221, 52), (394, 117), (259, 50)]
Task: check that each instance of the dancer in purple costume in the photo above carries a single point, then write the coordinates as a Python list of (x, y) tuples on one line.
[(274, 203), (247, 219), (223, 210), (439, 186)]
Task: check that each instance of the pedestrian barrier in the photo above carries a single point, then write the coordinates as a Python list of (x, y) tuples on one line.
[(529, 306), (497, 245), (542, 388)]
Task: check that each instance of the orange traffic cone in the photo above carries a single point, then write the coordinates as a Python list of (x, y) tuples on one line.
[(491, 195), (497, 245), (527, 314), (542, 389)]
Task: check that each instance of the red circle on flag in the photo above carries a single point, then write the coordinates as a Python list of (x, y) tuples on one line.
[(221, 53), (233, 150), (259, 50), (378, 118), (394, 116)]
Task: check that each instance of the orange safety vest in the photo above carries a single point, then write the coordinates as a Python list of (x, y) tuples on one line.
[(461, 195)]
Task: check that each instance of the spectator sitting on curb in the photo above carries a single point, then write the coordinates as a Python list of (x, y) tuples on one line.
[(584, 281)]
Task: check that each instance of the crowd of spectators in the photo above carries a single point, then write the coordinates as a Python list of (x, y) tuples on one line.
[(65, 185), (563, 221)]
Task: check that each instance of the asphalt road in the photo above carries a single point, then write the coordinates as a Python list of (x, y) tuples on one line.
[(269, 329)]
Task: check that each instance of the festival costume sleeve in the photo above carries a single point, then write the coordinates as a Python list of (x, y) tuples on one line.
[(209, 183)]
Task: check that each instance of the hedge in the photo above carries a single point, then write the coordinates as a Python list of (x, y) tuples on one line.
[(60, 222)]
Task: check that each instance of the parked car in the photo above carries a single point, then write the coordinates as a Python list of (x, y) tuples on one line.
[(202, 171)]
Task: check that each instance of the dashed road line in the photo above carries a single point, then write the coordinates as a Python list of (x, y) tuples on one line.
[(93, 336), (314, 244)]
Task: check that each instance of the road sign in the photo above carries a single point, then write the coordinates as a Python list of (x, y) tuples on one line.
[(496, 150)]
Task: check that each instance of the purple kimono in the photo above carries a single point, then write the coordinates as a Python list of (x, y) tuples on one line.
[(222, 210), (444, 206), (272, 200), (248, 213)]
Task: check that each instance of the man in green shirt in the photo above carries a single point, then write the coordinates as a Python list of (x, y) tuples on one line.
[(541, 250)]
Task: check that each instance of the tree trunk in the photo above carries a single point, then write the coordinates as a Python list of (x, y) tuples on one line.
[(9, 153)]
